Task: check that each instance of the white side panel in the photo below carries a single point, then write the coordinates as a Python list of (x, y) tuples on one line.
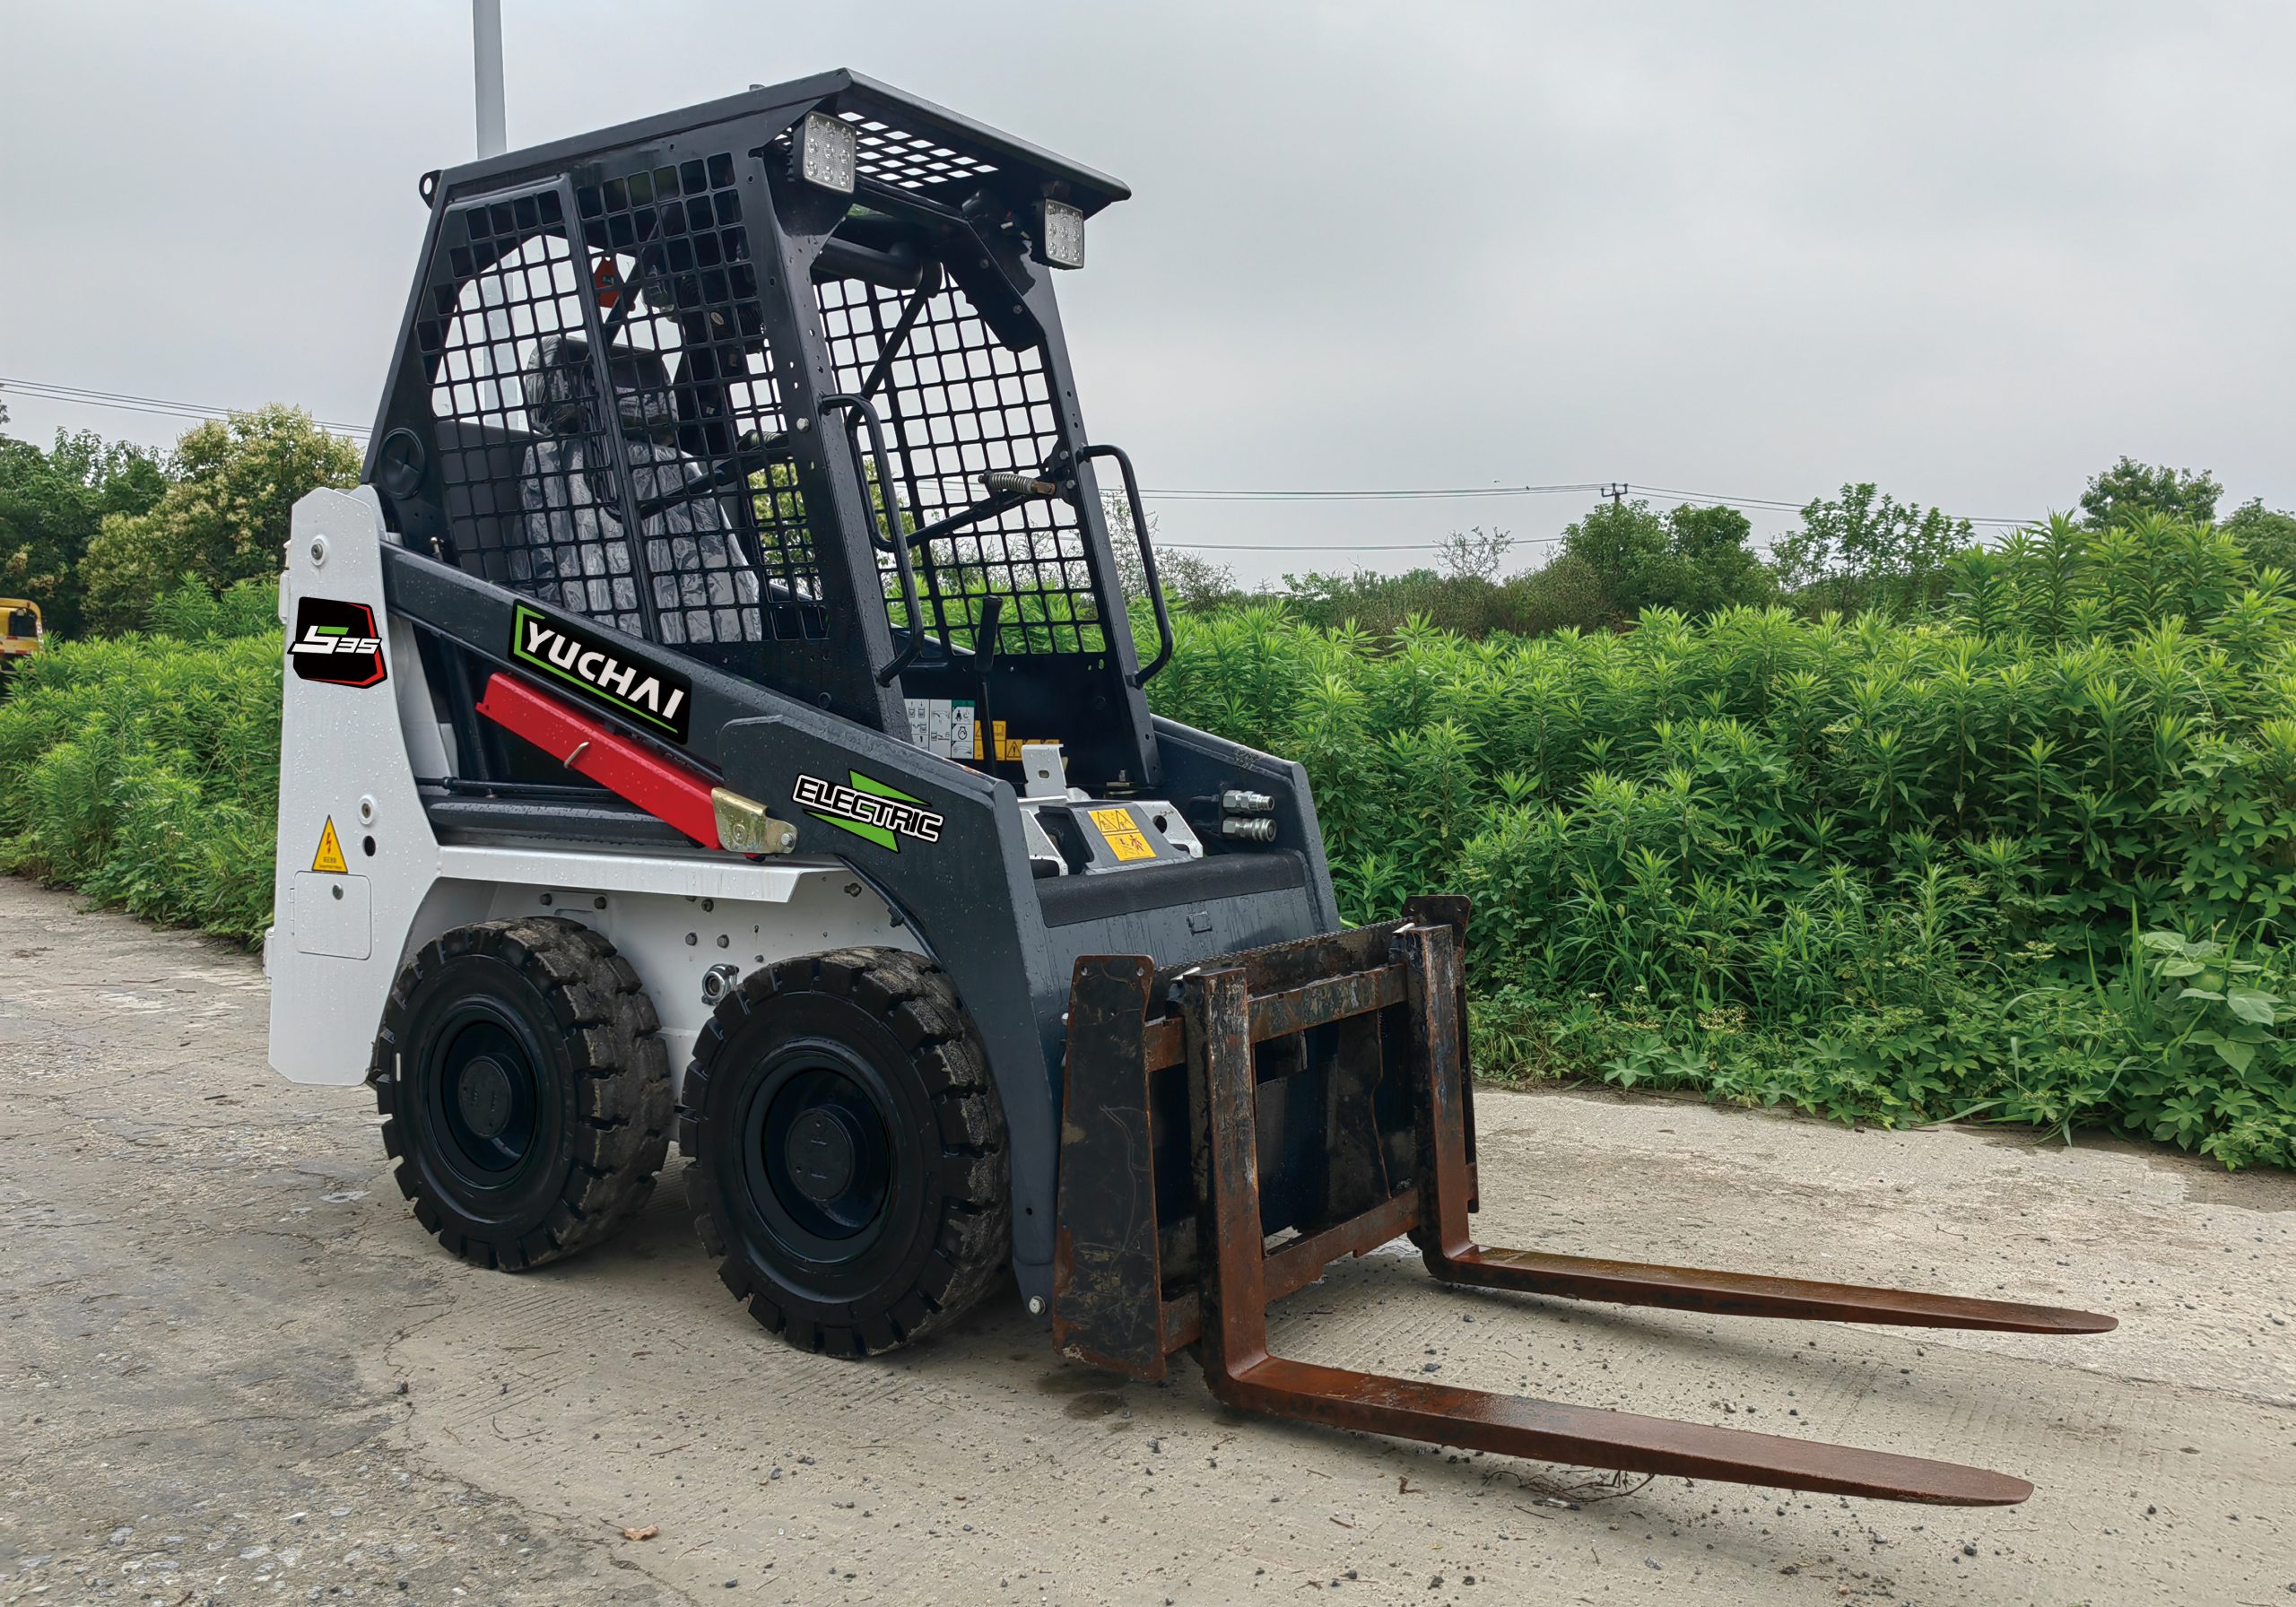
[(351, 755), (716, 876), (343, 758), (331, 914), (673, 938)]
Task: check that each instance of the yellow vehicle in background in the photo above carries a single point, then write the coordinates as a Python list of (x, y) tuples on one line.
[(21, 631)]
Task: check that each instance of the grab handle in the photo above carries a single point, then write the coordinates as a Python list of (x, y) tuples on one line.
[(1140, 676), (896, 539)]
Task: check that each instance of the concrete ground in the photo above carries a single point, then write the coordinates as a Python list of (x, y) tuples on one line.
[(235, 1370)]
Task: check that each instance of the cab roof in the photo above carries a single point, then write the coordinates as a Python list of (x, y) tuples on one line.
[(904, 142)]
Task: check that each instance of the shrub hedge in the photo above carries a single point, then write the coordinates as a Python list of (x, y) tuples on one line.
[(144, 770), (2032, 859), (1888, 871)]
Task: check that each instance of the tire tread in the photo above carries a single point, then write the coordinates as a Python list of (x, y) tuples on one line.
[(623, 1104)]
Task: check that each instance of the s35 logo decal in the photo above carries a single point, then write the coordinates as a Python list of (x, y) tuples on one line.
[(336, 642)]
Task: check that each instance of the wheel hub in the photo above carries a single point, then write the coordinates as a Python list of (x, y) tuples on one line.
[(820, 1151), (821, 1156), (483, 1095), (486, 1097)]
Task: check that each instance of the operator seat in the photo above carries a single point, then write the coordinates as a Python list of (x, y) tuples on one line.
[(575, 553)]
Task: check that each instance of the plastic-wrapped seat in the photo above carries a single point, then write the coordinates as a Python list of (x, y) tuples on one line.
[(575, 553)]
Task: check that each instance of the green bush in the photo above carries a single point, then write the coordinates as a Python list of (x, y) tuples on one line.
[(1885, 871), (143, 770), (2032, 859)]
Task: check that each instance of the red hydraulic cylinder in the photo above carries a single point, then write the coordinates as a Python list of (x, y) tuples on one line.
[(663, 788)]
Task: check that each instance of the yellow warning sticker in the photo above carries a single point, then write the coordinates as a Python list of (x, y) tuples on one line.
[(1125, 838), (1008, 748), (330, 855)]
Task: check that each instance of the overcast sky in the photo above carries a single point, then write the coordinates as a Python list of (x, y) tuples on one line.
[(1969, 252)]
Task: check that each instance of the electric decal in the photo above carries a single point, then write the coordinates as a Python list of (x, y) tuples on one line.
[(654, 695), (869, 809), (336, 642)]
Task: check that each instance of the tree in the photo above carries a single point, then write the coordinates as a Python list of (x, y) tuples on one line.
[(1696, 559), (225, 519), (2129, 490), (52, 504), (1714, 565), (1474, 555), (1623, 546), (1191, 582), (1867, 550), (2268, 537)]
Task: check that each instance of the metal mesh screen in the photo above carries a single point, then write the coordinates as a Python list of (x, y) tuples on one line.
[(532, 440), (680, 284), (957, 402), (911, 162)]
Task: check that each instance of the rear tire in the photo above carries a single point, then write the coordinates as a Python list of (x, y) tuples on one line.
[(847, 1152), (525, 1093)]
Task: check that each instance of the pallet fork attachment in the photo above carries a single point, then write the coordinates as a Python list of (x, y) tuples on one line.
[(1114, 1306)]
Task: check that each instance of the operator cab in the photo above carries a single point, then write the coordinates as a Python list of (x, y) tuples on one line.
[(21, 629), (779, 383)]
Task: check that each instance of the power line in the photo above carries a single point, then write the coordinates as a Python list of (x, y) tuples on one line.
[(162, 407), (1522, 541), (1773, 504), (1170, 494), (159, 407)]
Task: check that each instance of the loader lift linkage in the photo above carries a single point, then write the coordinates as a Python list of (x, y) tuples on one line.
[(718, 718)]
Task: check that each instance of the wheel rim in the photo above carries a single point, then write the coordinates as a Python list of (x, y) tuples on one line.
[(484, 1098), (818, 1152)]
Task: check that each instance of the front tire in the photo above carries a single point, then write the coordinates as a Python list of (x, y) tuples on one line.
[(524, 1092), (847, 1152)]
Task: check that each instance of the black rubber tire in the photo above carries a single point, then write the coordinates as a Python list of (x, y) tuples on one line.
[(890, 1023), (597, 1103)]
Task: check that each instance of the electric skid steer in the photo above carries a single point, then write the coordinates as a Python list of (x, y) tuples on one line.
[(715, 716)]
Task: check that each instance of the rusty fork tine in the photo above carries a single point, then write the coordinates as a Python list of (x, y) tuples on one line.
[(1430, 961), (1746, 1294), (1221, 1018), (1233, 1343), (1516, 1426)]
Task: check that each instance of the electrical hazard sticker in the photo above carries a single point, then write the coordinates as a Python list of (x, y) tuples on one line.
[(336, 642), (329, 859), (1122, 834)]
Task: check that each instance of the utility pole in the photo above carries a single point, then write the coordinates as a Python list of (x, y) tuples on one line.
[(1616, 491), (486, 60)]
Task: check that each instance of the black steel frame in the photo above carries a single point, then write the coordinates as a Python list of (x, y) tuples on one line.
[(694, 222)]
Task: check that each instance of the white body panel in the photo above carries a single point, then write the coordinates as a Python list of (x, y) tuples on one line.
[(343, 758), (351, 755)]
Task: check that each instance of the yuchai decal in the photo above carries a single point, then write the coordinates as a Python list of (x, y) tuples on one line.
[(868, 807), (652, 694), (336, 642)]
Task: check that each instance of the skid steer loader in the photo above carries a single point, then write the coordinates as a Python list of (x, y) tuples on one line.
[(715, 715)]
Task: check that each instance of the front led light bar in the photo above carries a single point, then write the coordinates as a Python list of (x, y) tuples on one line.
[(822, 152), (1060, 235)]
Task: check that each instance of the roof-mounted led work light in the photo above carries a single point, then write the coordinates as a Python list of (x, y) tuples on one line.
[(822, 152), (1060, 235)]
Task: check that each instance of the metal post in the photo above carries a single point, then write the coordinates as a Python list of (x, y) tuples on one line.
[(486, 59)]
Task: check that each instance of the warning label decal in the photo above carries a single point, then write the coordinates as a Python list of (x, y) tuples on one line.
[(1123, 835), (329, 857)]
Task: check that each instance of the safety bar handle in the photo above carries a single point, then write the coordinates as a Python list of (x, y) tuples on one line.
[(897, 541), (1140, 676)]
